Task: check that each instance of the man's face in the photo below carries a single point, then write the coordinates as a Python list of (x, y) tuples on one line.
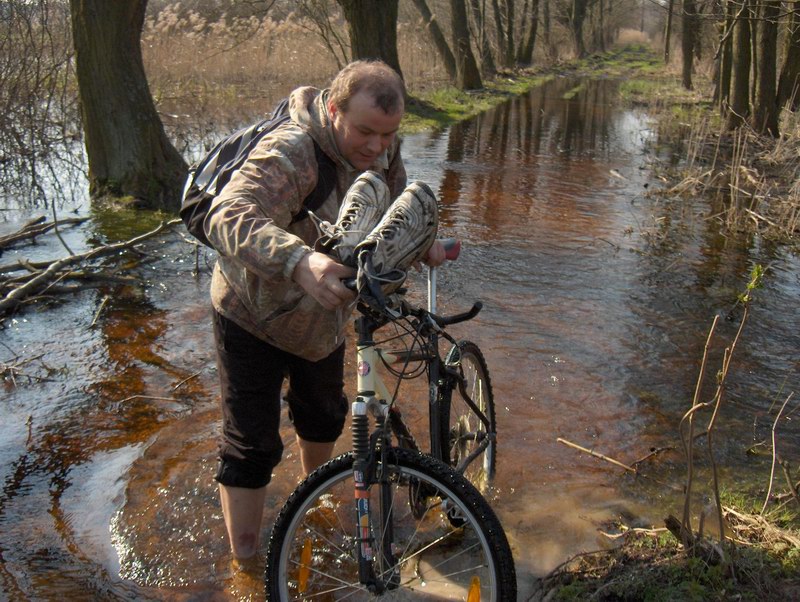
[(364, 131)]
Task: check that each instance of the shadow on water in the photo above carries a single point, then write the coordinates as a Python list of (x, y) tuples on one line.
[(598, 299)]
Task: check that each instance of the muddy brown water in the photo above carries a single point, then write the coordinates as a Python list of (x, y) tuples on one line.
[(598, 300)]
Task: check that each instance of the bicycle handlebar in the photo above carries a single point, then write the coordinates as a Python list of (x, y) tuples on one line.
[(443, 321)]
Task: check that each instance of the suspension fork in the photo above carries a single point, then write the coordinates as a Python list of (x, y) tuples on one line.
[(367, 465)]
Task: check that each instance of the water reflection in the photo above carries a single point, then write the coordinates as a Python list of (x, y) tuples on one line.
[(597, 298)]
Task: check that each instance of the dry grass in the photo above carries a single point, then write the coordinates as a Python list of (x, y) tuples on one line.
[(632, 36), (203, 66), (753, 179)]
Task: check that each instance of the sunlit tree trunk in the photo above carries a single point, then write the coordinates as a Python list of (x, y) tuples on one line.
[(740, 85), (439, 41), (469, 77), (488, 67), (525, 56), (129, 153), (765, 110), (372, 26), (688, 42), (789, 81)]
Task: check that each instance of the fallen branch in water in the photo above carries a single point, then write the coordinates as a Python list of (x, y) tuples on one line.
[(628, 468), (597, 455), (12, 370), (43, 279), (37, 227)]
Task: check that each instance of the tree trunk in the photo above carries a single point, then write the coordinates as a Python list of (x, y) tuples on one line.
[(509, 50), (439, 41), (765, 111), (501, 32), (753, 13), (789, 81), (372, 26), (525, 56), (740, 86), (469, 77), (668, 31), (546, 30), (488, 67), (601, 38), (723, 94), (688, 42), (576, 19), (129, 153)]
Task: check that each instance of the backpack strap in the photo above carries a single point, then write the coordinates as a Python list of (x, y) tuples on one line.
[(326, 182)]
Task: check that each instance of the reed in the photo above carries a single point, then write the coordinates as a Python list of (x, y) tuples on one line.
[(197, 65)]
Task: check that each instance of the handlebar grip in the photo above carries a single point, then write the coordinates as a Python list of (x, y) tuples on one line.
[(452, 248)]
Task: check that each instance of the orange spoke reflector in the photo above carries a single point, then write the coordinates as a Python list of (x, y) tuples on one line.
[(305, 563), (474, 590)]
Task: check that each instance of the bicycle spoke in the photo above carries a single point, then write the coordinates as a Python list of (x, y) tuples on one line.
[(428, 557), (332, 578)]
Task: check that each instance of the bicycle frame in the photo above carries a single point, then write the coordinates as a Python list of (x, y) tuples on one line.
[(442, 378), (373, 398)]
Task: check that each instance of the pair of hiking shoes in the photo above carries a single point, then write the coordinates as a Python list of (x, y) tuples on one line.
[(379, 237)]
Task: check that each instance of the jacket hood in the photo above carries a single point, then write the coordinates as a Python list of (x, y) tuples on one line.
[(307, 109)]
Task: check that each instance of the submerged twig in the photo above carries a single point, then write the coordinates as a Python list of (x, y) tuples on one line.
[(597, 455)]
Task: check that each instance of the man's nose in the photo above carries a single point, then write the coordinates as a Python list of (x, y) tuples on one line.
[(375, 144)]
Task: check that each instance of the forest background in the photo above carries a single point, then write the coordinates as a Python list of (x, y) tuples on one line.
[(133, 92), (175, 74)]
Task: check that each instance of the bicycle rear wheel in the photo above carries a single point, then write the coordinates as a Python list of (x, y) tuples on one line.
[(312, 552), (471, 434)]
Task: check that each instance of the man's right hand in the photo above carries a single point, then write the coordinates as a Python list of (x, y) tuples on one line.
[(321, 277)]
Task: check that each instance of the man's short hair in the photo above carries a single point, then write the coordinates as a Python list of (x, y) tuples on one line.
[(373, 76)]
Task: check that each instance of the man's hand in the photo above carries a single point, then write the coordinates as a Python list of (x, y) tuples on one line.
[(436, 254), (321, 277)]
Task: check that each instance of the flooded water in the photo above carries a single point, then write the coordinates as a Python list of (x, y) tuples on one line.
[(598, 300)]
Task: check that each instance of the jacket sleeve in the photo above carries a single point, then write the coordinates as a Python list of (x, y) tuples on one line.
[(248, 219)]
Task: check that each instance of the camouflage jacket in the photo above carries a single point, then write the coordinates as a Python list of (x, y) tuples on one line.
[(250, 226)]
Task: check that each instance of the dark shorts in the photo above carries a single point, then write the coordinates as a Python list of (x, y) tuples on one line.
[(251, 373)]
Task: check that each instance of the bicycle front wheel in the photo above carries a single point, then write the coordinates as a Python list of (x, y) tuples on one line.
[(471, 430), (454, 550)]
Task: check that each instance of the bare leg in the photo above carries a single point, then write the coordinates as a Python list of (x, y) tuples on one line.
[(243, 510), (313, 454)]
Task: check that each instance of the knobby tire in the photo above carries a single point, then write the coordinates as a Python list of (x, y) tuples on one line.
[(462, 429), (456, 544)]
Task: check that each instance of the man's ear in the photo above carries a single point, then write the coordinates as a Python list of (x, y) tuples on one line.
[(332, 109)]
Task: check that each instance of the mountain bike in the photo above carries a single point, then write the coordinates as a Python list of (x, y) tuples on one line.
[(386, 520)]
